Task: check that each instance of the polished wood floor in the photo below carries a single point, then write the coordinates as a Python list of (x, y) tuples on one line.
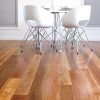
[(50, 76)]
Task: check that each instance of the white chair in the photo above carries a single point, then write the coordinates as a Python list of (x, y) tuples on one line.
[(37, 20), (76, 19)]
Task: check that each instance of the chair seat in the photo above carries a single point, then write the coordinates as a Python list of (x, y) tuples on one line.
[(32, 23), (77, 17), (36, 24)]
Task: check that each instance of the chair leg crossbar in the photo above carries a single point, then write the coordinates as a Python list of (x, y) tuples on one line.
[(72, 34), (35, 34), (75, 36)]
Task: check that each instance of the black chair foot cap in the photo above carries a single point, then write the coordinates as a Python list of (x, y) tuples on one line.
[(72, 48), (56, 50), (21, 51), (91, 50)]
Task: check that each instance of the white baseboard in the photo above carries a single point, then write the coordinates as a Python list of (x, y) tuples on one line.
[(92, 33)]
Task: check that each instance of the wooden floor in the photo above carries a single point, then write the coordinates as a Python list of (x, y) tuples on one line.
[(50, 76)]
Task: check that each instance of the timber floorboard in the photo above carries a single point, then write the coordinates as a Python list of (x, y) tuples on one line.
[(50, 76)]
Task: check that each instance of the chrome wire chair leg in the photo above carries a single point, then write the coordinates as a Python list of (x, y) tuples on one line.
[(38, 39), (59, 33), (59, 44), (26, 36), (25, 41), (75, 36), (45, 38), (39, 44), (80, 37), (26, 45), (72, 38), (87, 39), (47, 35), (72, 34), (77, 46), (67, 34)]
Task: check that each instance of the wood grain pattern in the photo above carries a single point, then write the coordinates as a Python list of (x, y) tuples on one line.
[(50, 76), (8, 89), (7, 69), (82, 86), (83, 64), (94, 57), (64, 76), (28, 77), (5, 54), (66, 92)]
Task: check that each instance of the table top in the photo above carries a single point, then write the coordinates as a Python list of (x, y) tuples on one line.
[(58, 11), (62, 10)]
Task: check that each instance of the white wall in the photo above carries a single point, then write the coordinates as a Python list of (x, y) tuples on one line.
[(18, 33)]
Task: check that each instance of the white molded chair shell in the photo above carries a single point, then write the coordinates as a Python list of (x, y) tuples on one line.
[(77, 17), (37, 17)]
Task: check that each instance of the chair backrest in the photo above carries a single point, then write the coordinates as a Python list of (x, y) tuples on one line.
[(77, 17), (28, 12), (38, 14)]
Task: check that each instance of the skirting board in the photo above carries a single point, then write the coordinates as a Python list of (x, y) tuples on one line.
[(92, 33)]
